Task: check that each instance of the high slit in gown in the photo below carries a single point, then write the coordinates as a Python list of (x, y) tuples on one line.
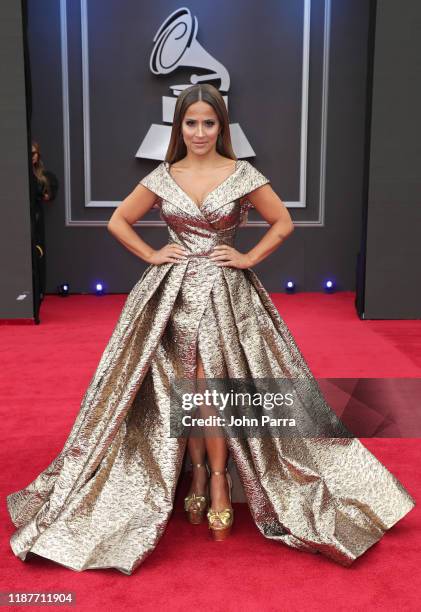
[(105, 500)]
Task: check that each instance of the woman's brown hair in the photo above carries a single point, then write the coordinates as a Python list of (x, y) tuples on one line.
[(203, 92), (39, 169)]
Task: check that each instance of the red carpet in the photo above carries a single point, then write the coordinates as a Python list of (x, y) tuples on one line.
[(45, 370)]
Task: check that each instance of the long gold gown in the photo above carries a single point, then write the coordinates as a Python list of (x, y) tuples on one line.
[(105, 500)]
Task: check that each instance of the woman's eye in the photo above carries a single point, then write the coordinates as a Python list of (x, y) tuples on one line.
[(208, 123)]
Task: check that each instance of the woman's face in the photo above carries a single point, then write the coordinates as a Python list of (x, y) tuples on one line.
[(35, 155), (200, 128)]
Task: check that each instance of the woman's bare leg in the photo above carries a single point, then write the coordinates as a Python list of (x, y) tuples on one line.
[(197, 451), (217, 451)]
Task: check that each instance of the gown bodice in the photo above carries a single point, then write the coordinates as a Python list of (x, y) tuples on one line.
[(200, 228)]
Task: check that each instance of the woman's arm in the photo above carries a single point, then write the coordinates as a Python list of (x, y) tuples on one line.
[(131, 209), (274, 211)]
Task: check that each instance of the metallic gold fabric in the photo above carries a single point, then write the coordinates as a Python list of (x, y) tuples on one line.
[(105, 500)]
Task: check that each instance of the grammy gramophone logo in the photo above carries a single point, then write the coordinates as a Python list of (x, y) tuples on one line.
[(176, 46)]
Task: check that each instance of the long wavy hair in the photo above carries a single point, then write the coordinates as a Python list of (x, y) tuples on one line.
[(39, 169), (204, 92)]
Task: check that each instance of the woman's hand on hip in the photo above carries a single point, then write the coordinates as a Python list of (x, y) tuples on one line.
[(228, 256), (170, 253)]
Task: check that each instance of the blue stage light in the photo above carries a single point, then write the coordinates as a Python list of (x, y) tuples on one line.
[(63, 289), (290, 286), (329, 286), (99, 289)]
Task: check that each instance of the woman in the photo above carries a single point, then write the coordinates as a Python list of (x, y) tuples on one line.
[(44, 189), (198, 312)]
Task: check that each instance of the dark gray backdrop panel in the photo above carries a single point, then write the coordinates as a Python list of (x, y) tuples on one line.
[(83, 254), (15, 228), (393, 285)]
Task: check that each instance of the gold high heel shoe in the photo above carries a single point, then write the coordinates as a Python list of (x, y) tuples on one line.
[(196, 505), (220, 521)]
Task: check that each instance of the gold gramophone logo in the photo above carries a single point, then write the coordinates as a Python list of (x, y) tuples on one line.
[(176, 46)]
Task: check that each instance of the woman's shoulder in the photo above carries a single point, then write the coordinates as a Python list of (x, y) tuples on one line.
[(154, 181), (251, 176), (153, 176)]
